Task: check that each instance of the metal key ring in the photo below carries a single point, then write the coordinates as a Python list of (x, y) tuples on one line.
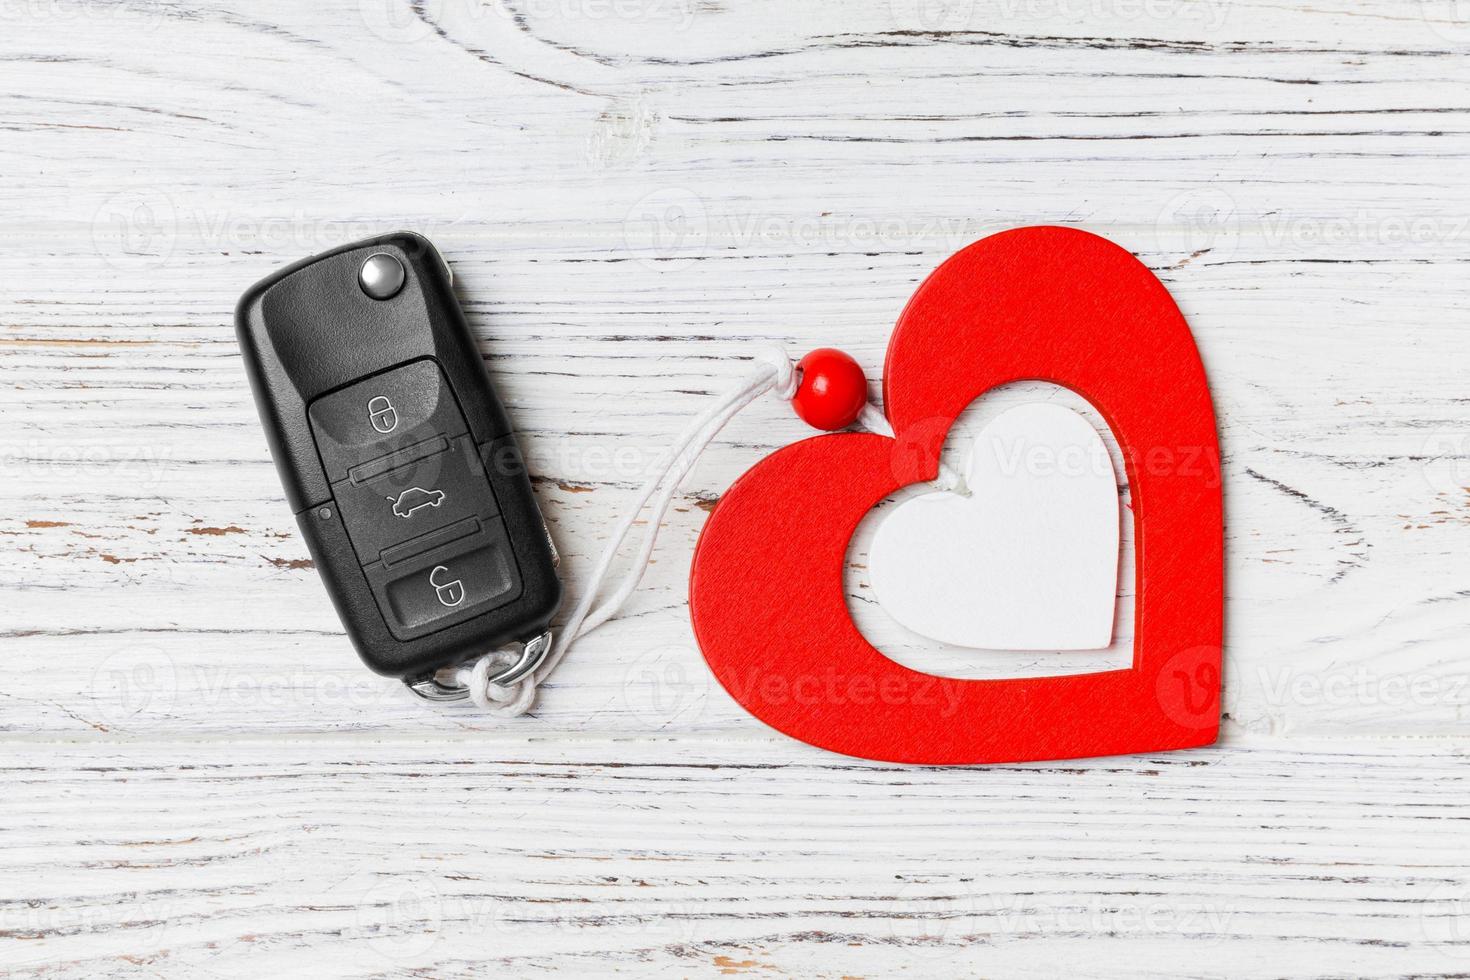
[(533, 653)]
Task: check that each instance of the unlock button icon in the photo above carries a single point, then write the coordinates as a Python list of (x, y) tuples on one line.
[(382, 414), (451, 593)]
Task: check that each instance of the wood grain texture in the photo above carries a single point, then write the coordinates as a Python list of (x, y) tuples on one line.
[(636, 195)]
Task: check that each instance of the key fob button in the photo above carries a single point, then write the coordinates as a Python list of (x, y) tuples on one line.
[(373, 418), (458, 580), (434, 484), (381, 276)]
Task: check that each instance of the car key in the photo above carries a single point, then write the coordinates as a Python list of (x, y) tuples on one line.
[(399, 461)]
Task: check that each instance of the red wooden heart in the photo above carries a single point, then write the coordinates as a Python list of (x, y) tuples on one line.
[(766, 594)]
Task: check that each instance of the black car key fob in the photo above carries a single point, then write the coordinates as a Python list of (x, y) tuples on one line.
[(399, 461)]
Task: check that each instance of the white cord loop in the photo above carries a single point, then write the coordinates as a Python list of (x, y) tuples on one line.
[(506, 702), (775, 372), (785, 384)]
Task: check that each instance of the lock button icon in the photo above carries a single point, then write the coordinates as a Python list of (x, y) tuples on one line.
[(450, 593), (382, 414)]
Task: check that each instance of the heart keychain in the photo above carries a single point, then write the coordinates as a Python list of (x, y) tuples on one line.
[(1046, 303)]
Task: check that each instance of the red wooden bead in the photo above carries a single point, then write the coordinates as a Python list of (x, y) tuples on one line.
[(832, 391)]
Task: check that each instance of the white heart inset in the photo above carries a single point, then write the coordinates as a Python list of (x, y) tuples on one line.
[(1028, 561)]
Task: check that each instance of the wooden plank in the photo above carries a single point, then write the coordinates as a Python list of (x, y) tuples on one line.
[(590, 855)]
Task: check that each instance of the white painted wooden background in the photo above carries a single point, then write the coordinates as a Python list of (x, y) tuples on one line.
[(200, 779)]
